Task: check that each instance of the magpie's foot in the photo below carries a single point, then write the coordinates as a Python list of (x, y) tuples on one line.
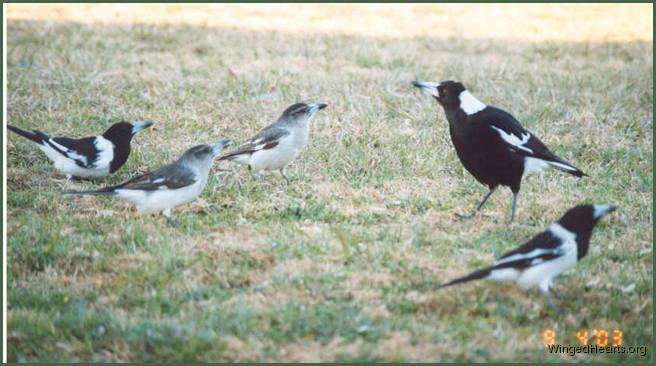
[(172, 222)]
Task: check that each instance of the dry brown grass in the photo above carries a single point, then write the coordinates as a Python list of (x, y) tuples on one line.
[(259, 273)]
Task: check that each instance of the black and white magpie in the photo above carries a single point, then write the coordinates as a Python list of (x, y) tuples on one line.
[(169, 186), (548, 254), (89, 157), (276, 145), (490, 143)]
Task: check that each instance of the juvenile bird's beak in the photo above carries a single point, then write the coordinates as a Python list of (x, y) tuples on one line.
[(217, 148), (428, 86), (138, 126), (601, 210), (316, 107)]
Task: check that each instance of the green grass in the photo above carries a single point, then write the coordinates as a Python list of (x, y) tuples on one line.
[(340, 265)]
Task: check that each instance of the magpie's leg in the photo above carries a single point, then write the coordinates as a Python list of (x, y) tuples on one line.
[(514, 206), (466, 217), (261, 174), (558, 295), (282, 172), (545, 291), (167, 214)]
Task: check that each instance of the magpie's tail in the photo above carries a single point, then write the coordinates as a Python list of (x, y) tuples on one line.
[(477, 275), (37, 136), (106, 190), (566, 167)]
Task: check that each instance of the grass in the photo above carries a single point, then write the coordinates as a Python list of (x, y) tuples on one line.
[(340, 265)]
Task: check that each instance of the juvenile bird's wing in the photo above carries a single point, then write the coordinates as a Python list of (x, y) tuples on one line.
[(522, 142), (167, 177), (266, 139), (82, 151)]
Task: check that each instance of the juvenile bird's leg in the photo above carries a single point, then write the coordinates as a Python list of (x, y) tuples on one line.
[(282, 172), (467, 217), (167, 214)]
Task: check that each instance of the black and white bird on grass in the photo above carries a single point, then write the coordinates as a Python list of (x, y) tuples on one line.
[(550, 253), (491, 143), (89, 157), (276, 145), (169, 186)]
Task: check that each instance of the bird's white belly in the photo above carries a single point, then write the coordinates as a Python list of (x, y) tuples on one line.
[(69, 167), (546, 271), (159, 200), (277, 157)]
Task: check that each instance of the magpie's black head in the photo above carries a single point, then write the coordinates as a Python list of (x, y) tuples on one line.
[(581, 220), (446, 92), (301, 110), (123, 131)]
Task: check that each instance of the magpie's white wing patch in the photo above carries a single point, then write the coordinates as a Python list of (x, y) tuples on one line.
[(517, 142)]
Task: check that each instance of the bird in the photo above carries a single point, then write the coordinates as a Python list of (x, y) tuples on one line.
[(276, 145), (88, 157), (169, 186), (490, 142), (548, 254)]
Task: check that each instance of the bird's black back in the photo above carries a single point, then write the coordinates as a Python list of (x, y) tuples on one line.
[(84, 146)]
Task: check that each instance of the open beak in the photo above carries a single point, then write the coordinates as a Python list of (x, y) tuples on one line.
[(316, 107), (217, 148), (138, 126), (428, 86)]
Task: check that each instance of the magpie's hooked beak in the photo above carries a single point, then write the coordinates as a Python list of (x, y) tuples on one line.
[(138, 126), (428, 86), (217, 148), (316, 107)]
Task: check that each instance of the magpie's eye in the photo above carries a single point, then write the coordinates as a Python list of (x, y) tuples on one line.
[(443, 91)]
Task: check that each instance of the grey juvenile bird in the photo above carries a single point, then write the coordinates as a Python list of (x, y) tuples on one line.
[(170, 185), (275, 146)]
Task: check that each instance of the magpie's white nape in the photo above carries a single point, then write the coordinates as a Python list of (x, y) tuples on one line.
[(89, 157), (169, 186), (278, 144), (538, 261), (490, 143)]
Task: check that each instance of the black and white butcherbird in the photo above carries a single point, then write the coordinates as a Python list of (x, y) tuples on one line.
[(490, 143), (548, 254), (276, 145), (89, 157), (169, 186)]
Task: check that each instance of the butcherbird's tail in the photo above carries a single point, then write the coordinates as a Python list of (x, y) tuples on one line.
[(37, 136), (476, 275), (106, 190)]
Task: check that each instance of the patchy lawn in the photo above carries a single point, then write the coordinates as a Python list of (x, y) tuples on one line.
[(340, 265)]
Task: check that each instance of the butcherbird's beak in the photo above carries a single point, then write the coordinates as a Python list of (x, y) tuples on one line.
[(316, 107), (138, 126), (218, 147)]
